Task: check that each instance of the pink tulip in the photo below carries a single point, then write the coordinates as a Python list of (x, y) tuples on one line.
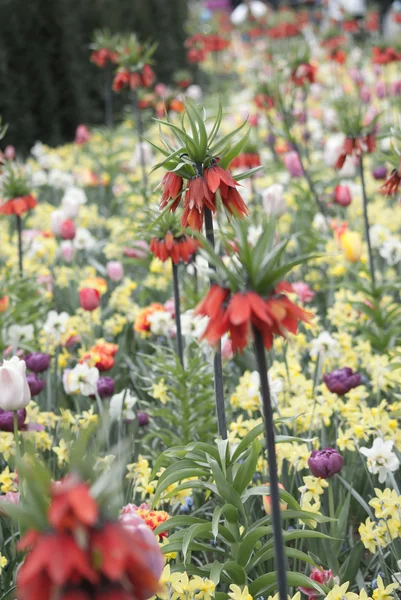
[(342, 195), (293, 164), (303, 291), (9, 152), (139, 250), (82, 135), (115, 270)]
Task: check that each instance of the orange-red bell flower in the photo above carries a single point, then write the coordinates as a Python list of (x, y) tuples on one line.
[(197, 196), (237, 313), (176, 248), (18, 206), (72, 505), (172, 190)]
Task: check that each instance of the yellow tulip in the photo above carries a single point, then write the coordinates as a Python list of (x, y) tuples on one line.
[(351, 243)]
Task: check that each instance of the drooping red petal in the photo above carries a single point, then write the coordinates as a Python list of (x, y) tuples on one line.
[(239, 309), (212, 179)]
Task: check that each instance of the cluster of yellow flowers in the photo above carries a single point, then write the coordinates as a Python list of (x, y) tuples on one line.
[(379, 533), (178, 586), (311, 491), (140, 473)]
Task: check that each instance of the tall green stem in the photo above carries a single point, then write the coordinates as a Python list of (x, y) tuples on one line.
[(177, 314), (366, 221), (20, 253), (139, 126), (217, 363), (280, 556)]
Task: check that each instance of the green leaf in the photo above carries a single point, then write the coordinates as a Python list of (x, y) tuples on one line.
[(247, 441), (191, 533), (174, 477), (216, 521), (247, 469), (262, 584), (217, 123), (215, 572), (350, 567), (234, 151), (248, 543), (248, 173), (235, 572), (290, 553), (177, 521), (220, 145), (357, 497), (224, 488)]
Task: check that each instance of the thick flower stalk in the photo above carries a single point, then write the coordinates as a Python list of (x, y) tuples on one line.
[(252, 305)]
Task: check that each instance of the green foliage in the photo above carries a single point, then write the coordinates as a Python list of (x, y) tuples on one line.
[(229, 544), (188, 412)]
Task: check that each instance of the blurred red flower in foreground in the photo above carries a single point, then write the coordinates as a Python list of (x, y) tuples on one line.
[(237, 313), (18, 206), (84, 556)]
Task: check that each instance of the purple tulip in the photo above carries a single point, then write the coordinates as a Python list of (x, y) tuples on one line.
[(7, 419), (37, 362), (36, 385), (143, 419), (105, 387), (325, 463), (342, 381), (380, 172)]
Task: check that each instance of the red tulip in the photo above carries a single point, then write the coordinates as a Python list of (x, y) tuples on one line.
[(342, 195), (67, 229), (89, 298)]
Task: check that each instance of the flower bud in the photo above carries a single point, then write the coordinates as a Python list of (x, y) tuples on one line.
[(89, 298), (7, 419), (67, 229), (105, 387), (9, 152), (273, 199), (143, 419), (267, 503), (4, 303), (342, 381), (293, 164), (37, 362), (82, 135), (57, 217), (15, 392), (325, 463), (342, 195), (351, 243), (115, 270), (303, 291), (67, 250), (36, 385)]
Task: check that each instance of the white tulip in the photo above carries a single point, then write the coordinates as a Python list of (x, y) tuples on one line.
[(121, 406), (15, 393), (57, 217), (273, 199)]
